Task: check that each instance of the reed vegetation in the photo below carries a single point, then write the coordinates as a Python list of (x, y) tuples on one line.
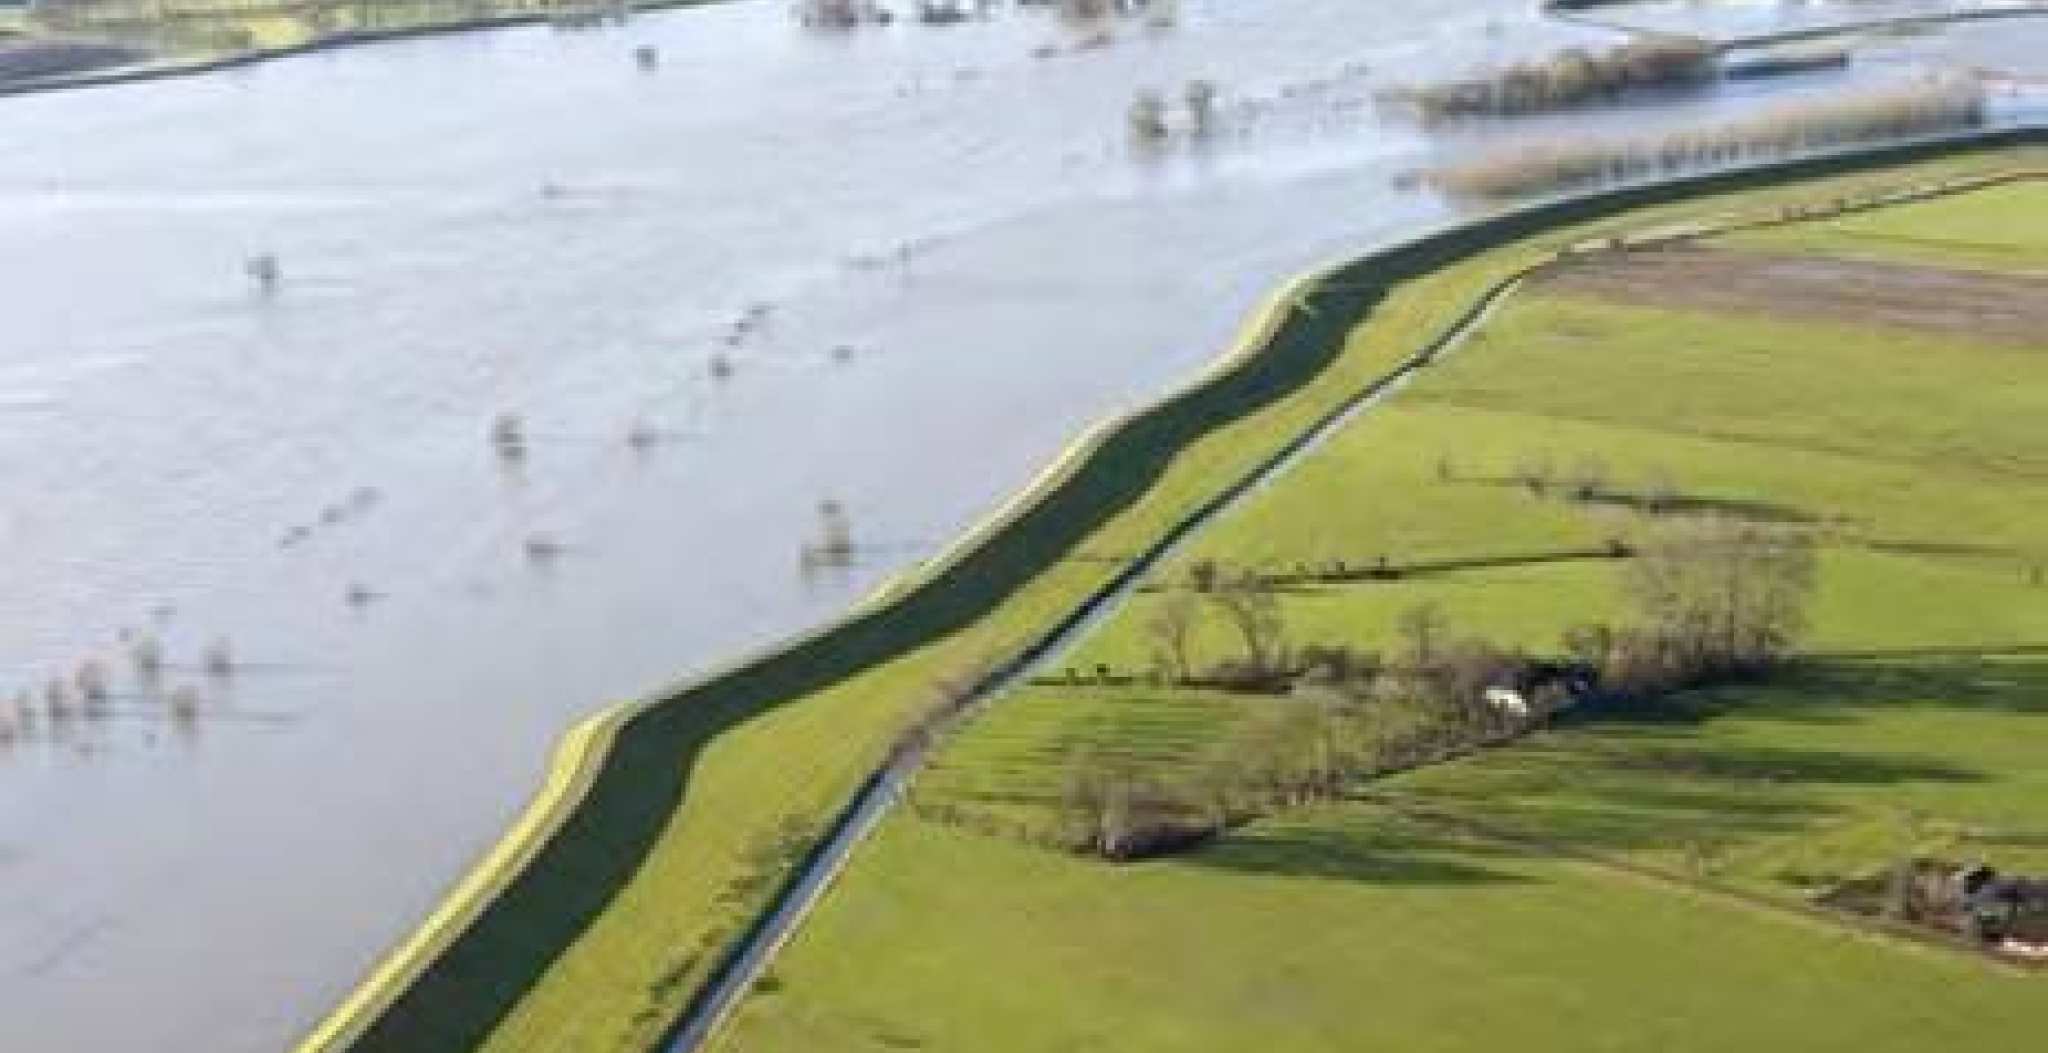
[(1896, 113), (1573, 77)]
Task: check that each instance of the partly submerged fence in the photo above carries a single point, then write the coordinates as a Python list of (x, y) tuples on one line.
[(622, 776)]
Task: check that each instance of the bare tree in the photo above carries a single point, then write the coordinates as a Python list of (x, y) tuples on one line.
[(1251, 608), (1660, 492), (1148, 117), (1172, 629), (1110, 808), (1534, 472), (835, 533), (1589, 477), (1422, 626), (1201, 101), (1084, 10), (1723, 595)]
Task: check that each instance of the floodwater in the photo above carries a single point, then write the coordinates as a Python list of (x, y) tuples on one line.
[(897, 269)]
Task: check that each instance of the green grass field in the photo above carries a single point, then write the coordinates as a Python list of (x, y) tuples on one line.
[(2003, 231), (1919, 720), (1345, 928)]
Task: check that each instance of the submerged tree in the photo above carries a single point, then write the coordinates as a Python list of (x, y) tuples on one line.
[(835, 534), (1201, 101), (1148, 117), (264, 270), (219, 658), (508, 436)]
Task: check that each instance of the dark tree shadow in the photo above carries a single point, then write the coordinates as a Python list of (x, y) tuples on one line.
[(2010, 838), (1310, 579), (1909, 547), (1643, 783), (1366, 847), (1750, 509), (1845, 685), (1787, 766)]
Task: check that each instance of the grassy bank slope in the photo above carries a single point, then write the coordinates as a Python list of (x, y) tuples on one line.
[(1388, 921)]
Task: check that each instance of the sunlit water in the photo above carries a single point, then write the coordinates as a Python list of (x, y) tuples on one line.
[(522, 221)]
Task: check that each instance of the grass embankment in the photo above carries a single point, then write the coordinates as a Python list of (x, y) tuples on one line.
[(1388, 921), (206, 27)]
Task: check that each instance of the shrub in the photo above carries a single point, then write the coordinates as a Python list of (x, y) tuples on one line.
[(1574, 77)]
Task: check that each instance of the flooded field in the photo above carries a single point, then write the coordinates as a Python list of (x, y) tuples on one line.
[(312, 635)]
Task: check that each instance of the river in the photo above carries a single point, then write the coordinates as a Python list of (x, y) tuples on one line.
[(897, 269)]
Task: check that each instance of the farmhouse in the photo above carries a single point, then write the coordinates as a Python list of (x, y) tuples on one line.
[(2009, 911)]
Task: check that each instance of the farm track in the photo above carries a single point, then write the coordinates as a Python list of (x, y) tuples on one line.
[(1974, 305)]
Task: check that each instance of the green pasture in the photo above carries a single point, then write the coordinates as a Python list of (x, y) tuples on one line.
[(1932, 523), (1342, 928), (2000, 229), (1788, 788), (1920, 461), (1917, 723)]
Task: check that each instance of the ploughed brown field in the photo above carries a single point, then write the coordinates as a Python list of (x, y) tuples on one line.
[(1983, 306)]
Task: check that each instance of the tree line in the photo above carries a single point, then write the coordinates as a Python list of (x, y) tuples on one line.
[(1706, 600)]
